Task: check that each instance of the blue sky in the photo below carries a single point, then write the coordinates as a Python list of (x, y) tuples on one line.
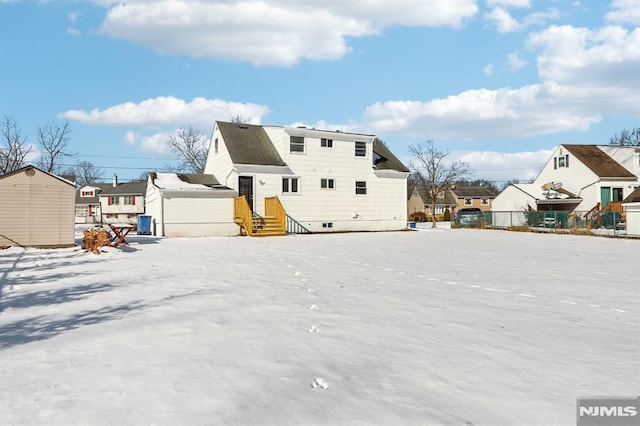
[(497, 83)]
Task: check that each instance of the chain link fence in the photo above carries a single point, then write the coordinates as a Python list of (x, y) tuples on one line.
[(614, 222)]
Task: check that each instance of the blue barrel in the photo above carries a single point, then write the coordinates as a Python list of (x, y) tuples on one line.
[(144, 225)]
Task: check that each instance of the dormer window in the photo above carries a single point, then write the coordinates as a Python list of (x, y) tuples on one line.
[(296, 144)]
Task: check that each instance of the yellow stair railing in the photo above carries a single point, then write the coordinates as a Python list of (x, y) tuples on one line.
[(273, 208), (242, 214)]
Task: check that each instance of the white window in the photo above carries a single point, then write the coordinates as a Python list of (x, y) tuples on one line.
[(326, 143), (111, 200), (290, 185), (484, 201), (468, 201), (361, 149), (361, 187), (327, 183), (296, 144), (129, 199)]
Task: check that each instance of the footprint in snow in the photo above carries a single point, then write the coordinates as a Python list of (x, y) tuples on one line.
[(313, 329), (296, 273), (319, 382), (310, 290), (313, 307)]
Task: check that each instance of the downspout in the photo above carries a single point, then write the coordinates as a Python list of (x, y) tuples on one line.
[(162, 212)]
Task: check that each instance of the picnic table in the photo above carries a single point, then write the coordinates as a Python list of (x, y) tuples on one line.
[(120, 231)]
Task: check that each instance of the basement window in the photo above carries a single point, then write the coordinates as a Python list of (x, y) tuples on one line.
[(327, 225)]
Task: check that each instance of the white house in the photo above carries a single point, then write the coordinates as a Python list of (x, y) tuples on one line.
[(186, 205), (36, 209), (325, 180), (577, 178), (122, 202), (88, 204)]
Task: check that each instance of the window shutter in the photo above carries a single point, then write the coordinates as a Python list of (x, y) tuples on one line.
[(108, 201), (555, 162), (566, 160), (133, 200)]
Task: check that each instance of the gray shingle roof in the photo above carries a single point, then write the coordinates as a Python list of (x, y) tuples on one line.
[(634, 197), (387, 160), (599, 162), (249, 144), (474, 191)]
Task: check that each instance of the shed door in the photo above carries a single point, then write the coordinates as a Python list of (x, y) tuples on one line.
[(245, 187)]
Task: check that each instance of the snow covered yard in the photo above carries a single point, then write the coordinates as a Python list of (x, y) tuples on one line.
[(455, 326)]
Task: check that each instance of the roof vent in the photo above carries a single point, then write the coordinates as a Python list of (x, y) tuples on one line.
[(302, 127), (243, 126)]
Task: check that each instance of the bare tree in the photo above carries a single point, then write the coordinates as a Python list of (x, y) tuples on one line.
[(432, 173), (13, 146), (86, 173), (53, 140), (191, 146), (240, 119), (626, 137)]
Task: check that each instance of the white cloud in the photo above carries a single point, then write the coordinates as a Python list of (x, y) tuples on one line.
[(169, 111), (503, 166), (515, 62), (624, 11), (73, 31), (157, 144), (73, 16), (488, 70), (270, 32), (520, 4), (131, 137), (502, 20), (586, 74)]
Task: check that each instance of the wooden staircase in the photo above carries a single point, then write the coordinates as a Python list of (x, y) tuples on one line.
[(593, 217), (273, 223)]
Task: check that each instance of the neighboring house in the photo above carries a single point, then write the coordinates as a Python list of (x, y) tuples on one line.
[(594, 176), (122, 202), (473, 196), (36, 209), (187, 205), (586, 182), (632, 209), (420, 204), (88, 203), (453, 198), (326, 181)]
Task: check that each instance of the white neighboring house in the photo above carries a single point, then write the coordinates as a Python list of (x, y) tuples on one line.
[(325, 180), (122, 202), (588, 177), (88, 204), (632, 209), (188, 205)]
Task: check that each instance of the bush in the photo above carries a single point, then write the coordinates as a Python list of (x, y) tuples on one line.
[(418, 217)]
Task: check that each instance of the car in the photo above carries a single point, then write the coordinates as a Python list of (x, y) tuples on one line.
[(470, 216)]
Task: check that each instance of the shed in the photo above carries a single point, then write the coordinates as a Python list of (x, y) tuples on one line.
[(37, 209), (190, 205), (632, 210)]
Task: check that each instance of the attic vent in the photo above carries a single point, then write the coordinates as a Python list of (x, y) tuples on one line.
[(30, 172)]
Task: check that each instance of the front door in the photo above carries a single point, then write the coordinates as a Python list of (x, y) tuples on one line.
[(245, 187), (605, 196)]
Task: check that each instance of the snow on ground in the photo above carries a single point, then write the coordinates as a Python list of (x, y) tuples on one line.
[(445, 326)]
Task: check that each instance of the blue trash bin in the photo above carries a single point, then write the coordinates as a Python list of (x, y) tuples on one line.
[(144, 225)]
